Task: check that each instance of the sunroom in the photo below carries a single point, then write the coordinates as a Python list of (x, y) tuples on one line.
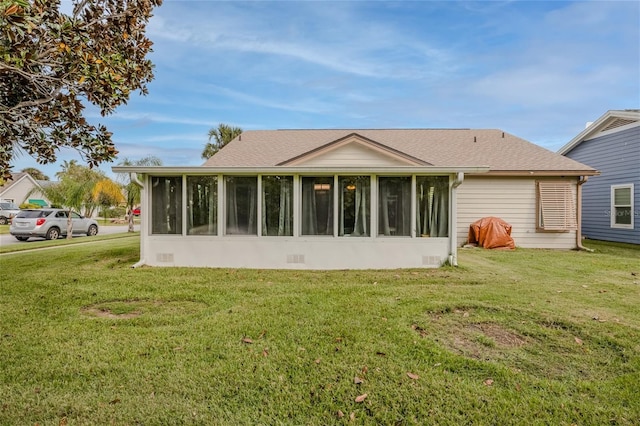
[(297, 217)]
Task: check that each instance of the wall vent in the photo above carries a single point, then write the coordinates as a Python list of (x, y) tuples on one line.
[(432, 260), (164, 257), (295, 258), (618, 123)]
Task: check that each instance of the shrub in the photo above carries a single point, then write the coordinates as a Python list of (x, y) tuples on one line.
[(113, 212), (30, 206)]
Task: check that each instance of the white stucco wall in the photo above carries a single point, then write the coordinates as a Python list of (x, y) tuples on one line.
[(294, 253)]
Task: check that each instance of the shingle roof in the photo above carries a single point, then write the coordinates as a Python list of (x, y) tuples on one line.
[(15, 177), (499, 150)]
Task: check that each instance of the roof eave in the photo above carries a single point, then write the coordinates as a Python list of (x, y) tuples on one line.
[(595, 127), (522, 173), (207, 170)]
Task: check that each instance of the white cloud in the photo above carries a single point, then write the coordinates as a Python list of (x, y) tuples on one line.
[(343, 43), (311, 106), (148, 118)]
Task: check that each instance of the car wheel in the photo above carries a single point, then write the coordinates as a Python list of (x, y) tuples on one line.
[(92, 231), (22, 238), (53, 234), (3, 220)]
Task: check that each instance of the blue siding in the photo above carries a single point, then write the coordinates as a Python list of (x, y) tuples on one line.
[(617, 156)]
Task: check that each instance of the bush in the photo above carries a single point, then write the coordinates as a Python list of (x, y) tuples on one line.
[(113, 212), (30, 206)]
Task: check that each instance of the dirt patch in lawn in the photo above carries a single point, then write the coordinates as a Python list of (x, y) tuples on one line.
[(485, 341), (107, 313), (129, 309), (500, 335), (471, 331)]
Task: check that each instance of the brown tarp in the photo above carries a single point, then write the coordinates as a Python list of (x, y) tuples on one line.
[(491, 233)]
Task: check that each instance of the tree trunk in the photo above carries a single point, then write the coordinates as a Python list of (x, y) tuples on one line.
[(130, 215), (69, 226)]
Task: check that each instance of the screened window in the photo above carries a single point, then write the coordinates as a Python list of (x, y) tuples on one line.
[(556, 206), (277, 205), (355, 206), (166, 202), (394, 206), (432, 206), (241, 205), (622, 206), (317, 206), (202, 205)]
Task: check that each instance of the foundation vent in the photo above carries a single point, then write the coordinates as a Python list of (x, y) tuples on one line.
[(295, 258), (164, 257), (432, 260)]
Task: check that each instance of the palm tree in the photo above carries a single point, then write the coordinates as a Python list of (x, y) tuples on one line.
[(221, 136), (35, 173), (131, 188), (73, 172), (68, 193)]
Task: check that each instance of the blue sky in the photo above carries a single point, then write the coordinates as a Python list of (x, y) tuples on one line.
[(536, 69)]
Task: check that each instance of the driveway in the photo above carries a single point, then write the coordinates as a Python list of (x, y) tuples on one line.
[(8, 239)]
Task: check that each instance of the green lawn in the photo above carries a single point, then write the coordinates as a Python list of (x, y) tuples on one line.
[(523, 337), (38, 244)]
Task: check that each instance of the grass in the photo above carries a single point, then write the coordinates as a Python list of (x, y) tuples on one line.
[(4, 229), (34, 245), (522, 337)]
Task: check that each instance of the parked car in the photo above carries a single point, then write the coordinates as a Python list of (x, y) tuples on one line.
[(7, 211), (50, 224), (136, 211)]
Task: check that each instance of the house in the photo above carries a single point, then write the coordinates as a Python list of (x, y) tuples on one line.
[(355, 199), (22, 188), (611, 201)]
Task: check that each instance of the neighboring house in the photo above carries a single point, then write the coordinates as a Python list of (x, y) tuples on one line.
[(611, 201), (354, 199), (22, 188)]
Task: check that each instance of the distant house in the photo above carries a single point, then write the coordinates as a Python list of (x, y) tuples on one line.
[(355, 199), (611, 201), (22, 188)]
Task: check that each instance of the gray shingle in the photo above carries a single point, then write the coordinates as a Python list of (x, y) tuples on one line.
[(499, 150)]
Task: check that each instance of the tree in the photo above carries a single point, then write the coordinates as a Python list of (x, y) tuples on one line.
[(85, 179), (51, 64), (68, 193), (35, 173), (107, 193), (221, 136), (81, 189), (131, 188)]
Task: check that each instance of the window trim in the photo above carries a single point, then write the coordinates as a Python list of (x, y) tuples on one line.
[(556, 199), (333, 199), (254, 228), (189, 227), (613, 206), (262, 212), (179, 208)]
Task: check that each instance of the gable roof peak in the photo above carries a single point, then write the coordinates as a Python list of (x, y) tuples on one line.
[(609, 121)]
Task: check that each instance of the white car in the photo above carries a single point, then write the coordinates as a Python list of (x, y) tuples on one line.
[(50, 224), (7, 211)]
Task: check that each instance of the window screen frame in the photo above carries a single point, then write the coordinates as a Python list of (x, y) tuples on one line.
[(614, 206)]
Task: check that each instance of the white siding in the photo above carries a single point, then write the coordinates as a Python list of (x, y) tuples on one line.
[(19, 192), (353, 155), (513, 200)]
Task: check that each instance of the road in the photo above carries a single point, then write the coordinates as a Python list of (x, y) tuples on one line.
[(7, 239)]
